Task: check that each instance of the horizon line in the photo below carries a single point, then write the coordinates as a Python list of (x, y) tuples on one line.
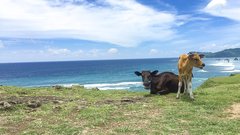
[(85, 60)]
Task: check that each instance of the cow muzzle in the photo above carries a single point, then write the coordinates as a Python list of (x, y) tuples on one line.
[(203, 65), (146, 85)]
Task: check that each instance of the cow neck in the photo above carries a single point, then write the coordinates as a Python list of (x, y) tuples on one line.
[(188, 67)]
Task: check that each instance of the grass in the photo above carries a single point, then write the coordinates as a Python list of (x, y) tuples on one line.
[(122, 112)]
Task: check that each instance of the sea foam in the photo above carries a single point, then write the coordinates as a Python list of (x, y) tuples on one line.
[(202, 70), (112, 86), (222, 64), (232, 71)]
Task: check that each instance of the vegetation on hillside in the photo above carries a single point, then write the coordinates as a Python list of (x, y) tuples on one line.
[(234, 52), (80, 111)]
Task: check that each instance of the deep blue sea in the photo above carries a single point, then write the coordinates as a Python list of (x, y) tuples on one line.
[(104, 74)]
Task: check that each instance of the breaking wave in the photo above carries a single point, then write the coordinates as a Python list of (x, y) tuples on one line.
[(202, 70), (114, 86)]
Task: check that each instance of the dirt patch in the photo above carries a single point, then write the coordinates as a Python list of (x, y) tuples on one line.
[(123, 101), (25, 99), (234, 111), (3, 120), (17, 128), (33, 101)]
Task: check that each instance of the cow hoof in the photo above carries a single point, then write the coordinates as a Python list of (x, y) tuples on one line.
[(192, 98), (177, 97)]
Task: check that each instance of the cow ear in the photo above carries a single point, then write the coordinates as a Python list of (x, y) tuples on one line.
[(137, 73), (154, 72), (190, 56), (201, 56)]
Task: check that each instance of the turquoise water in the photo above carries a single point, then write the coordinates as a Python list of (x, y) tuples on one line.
[(105, 74)]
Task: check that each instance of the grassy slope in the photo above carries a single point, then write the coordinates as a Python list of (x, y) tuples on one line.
[(122, 112)]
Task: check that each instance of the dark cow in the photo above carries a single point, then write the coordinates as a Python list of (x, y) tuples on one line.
[(163, 83)]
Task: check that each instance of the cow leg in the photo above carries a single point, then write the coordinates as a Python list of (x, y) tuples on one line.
[(160, 86), (153, 91), (190, 89), (163, 92), (179, 88), (185, 87)]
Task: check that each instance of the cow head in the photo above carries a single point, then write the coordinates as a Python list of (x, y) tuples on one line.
[(146, 77), (195, 60)]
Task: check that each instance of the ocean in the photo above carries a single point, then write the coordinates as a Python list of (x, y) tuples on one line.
[(104, 74)]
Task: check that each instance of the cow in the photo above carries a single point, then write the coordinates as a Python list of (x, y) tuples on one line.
[(186, 63), (163, 83)]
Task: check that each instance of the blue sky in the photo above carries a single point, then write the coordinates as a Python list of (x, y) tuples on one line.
[(61, 30)]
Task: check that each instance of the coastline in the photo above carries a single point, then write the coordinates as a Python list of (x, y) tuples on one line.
[(113, 74)]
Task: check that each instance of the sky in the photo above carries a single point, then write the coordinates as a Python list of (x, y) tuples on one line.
[(66, 30)]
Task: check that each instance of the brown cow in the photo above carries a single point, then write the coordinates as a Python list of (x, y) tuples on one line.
[(186, 63), (163, 83)]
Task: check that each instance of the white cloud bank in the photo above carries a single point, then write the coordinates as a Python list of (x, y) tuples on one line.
[(56, 54), (113, 51), (1, 44), (153, 51), (126, 22), (224, 8), (61, 51)]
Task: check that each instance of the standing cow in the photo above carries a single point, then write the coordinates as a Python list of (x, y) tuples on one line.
[(186, 63)]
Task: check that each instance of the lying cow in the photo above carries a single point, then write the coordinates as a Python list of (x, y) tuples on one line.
[(186, 63), (163, 83)]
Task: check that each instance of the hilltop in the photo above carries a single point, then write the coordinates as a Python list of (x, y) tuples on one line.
[(67, 111), (235, 52)]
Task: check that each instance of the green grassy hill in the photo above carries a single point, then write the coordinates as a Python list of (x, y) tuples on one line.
[(234, 52), (80, 111)]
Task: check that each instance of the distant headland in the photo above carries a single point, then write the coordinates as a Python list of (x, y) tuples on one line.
[(234, 52)]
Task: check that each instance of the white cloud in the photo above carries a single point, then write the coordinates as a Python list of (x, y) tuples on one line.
[(112, 51), (94, 53), (209, 48), (153, 51), (224, 8), (216, 3), (1, 44), (62, 51), (78, 53), (126, 23)]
